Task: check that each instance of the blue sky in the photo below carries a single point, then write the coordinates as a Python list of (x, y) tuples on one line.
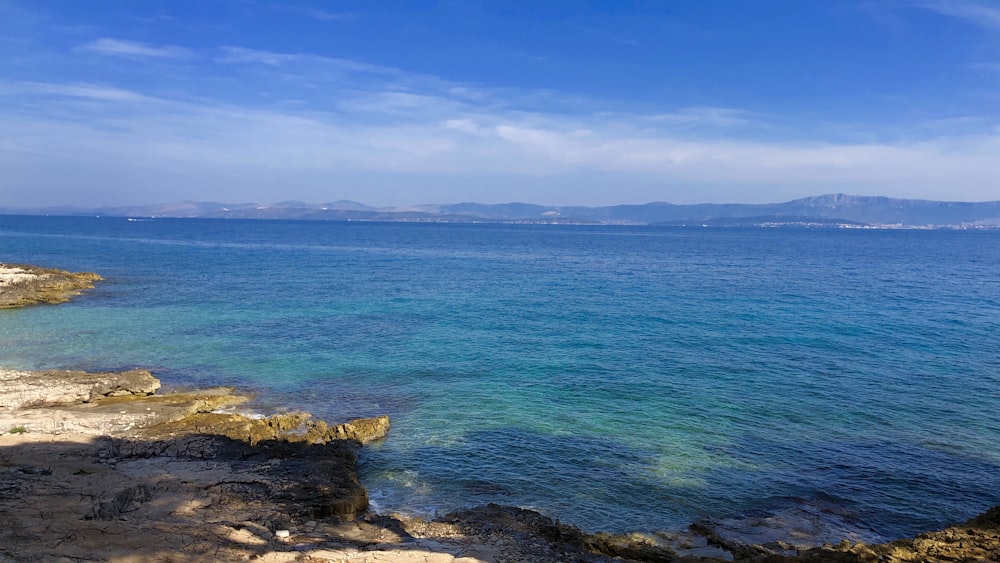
[(562, 102)]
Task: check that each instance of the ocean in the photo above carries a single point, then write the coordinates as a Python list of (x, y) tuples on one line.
[(618, 378)]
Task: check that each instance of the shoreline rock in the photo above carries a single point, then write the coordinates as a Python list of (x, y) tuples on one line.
[(85, 453), (98, 466), (22, 285), (101, 468)]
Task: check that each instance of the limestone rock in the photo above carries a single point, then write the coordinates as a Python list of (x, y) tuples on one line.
[(124, 415), (293, 427), (22, 389), (164, 478), (22, 285), (126, 472), (362, 430)]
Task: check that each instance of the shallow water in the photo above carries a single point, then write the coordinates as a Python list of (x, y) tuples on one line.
[(623, 378)]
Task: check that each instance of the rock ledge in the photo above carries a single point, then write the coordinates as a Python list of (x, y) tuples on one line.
[(22, 285), (102, 468)]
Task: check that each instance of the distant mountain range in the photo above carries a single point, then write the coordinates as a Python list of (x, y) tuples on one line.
[(836, 210)]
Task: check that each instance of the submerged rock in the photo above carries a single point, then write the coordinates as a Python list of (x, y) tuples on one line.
[(975, 540), (553, 541), (22, 285)]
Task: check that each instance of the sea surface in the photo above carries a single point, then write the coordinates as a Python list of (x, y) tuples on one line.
[(618, 378)]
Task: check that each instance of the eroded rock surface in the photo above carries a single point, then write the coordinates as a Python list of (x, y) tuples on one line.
[(977, 540), (98, 467), (104, 469), (25, 389), (22, 285)]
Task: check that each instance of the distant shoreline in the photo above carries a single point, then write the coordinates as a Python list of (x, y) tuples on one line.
[(827, 211), (770, 224)]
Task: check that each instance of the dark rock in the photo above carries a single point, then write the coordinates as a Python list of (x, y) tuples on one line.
[(528, 527)]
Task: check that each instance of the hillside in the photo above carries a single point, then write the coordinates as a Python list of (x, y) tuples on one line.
[(835, 210)]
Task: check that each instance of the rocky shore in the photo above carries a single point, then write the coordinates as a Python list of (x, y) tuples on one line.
[(99, 467), (22, 285), (104, 467)]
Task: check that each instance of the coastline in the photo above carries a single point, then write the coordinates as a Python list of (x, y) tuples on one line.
[(101, 467), (22, 285)]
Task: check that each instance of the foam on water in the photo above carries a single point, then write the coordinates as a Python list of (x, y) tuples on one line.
[(619, 378)]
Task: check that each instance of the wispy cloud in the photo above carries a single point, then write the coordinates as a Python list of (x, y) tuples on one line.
[(610, 37), (360, 124), (350, 86), (507, 51), (203, 143), (238, 55), (985, 15), (317, 14), (986, 66), (83, 91), (719, 117), (307, 11), (133, 49), (242, 55)]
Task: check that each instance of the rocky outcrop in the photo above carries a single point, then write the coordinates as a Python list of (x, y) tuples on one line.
[(22, 285), (103, 468), (530, 536), (25, 389), (293, 427), (975, 540), (525, 535), (134, 452), (107, 404)]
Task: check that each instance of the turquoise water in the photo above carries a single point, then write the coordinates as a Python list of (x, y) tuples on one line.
[(621, 378)]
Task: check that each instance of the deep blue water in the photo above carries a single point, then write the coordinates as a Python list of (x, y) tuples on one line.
[(623, 378)]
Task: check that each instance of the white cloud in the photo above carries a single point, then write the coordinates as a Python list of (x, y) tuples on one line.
[(985, 15), (402, 106), (236, 55), (87, 91), (133, 49), (241, 55), (465, 125), (203, 145), (362, 125), (719, 117), (318, 14)]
